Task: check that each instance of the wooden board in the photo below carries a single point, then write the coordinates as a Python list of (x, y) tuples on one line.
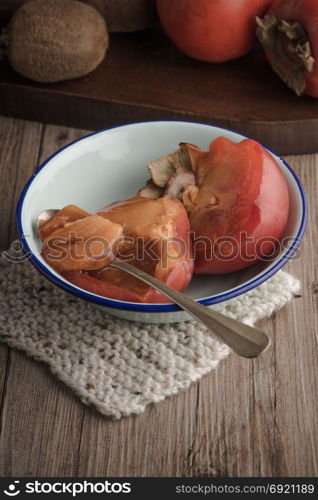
[(144, 77), (247, 418)]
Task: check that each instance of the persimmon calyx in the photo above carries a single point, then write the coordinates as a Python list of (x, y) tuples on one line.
[(289, 50), (170, 174)]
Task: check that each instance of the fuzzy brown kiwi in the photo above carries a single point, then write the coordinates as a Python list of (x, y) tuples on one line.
[(54, 40), (126, 15)]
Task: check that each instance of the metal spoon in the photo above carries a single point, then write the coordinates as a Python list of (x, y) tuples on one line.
[(243, 339)]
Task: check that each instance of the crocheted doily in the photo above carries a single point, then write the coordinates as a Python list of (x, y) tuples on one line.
[(118, 366)]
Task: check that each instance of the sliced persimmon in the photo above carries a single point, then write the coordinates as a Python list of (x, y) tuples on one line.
[(85, 244)]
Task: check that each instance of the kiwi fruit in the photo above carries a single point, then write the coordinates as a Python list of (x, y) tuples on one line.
[(54, 40), (126, 15)]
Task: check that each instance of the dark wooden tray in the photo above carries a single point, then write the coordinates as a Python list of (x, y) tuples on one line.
[(145, 78)]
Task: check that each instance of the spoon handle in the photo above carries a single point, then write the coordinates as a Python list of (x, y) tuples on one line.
[(245, 340)]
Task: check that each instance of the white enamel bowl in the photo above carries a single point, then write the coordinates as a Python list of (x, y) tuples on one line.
[(111, 164)]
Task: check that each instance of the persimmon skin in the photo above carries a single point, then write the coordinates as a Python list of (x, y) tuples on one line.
[(249, 205), (211, 30)]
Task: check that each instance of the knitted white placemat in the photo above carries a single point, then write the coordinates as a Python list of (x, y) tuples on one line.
[(118, 366)]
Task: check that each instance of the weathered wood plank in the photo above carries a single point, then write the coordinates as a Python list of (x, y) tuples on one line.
[(296, 423), (19, 145), (140, 446), (20, 142), (41, 419)]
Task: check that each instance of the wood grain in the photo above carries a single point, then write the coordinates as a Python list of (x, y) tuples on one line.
[(16, 166), (144, 77), (247, 418), (49, 408)]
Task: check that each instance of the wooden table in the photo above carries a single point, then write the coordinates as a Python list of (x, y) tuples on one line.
[(144, 77), (247, 418)]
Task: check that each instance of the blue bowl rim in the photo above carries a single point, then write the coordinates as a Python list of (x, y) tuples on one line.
[(159, 308)]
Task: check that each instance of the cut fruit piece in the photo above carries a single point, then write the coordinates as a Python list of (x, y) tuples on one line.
[(145, 217), (70, 213), (156, 240), (102, 288), (85, 244), (236, 198), (240, 207)]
